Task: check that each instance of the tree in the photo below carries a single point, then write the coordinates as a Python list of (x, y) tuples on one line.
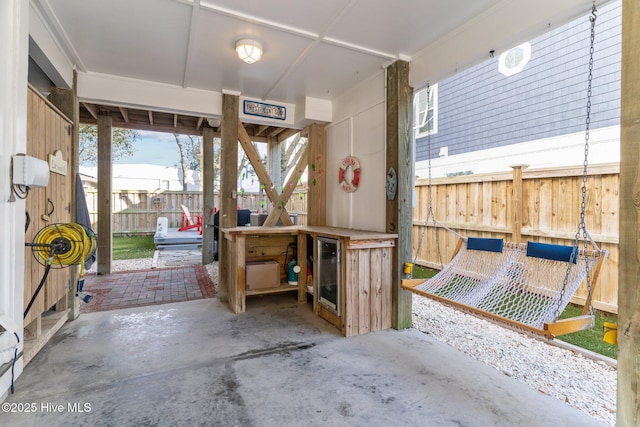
[(245, 168), (292, 149), (190, 149), (123, 143)]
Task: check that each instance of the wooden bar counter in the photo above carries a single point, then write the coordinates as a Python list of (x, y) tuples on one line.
[(365, 271)]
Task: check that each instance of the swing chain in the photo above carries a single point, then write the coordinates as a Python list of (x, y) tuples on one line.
[(582, 228), (430, 214), (592, 18)]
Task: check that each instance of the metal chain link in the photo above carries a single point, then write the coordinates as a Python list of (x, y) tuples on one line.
[(582, 227), (430, 214)]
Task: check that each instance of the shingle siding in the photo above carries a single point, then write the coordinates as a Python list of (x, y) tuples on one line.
[(480, 108)]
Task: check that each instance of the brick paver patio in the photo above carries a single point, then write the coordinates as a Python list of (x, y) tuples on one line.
[(146, 287)]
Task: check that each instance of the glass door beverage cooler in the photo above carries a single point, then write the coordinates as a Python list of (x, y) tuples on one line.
[(329, 274)]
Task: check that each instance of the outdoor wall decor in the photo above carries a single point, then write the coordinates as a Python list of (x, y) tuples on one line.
[(57, 163), (392, 184), (349, 183), (261, 109)]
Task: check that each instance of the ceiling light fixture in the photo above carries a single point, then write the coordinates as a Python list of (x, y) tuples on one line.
[(249, 51)]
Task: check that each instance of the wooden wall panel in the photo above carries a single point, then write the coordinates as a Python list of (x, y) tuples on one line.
[(47, 131)]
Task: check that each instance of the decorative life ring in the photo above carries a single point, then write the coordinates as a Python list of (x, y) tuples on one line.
[(349, 185)]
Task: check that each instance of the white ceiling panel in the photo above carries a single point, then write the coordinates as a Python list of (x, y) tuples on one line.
[(317, 48), (307, 15), (124, 38), (406, 26), (216, 65), (327, 72)]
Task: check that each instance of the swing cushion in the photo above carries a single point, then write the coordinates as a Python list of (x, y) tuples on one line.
[(485, 244), (551, 252)]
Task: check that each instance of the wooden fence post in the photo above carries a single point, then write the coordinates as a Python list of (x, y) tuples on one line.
[(516, 225)]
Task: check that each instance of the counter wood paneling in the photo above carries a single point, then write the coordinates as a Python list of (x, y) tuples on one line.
[(366, 273)]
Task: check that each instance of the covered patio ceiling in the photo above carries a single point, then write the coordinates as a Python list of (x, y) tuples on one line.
[(312, 49), (158, 121)]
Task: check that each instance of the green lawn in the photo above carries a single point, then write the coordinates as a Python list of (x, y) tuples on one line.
[(590, 339), (133, 247)]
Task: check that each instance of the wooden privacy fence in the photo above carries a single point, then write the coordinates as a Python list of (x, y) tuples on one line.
[(541, 205), (136, 211)]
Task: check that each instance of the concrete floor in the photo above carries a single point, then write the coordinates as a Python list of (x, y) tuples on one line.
[(195, 363)]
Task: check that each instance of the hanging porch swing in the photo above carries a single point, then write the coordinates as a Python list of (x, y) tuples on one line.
[(522, 285)]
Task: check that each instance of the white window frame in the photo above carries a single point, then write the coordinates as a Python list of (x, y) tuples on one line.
[(420, 111), (509, 70)]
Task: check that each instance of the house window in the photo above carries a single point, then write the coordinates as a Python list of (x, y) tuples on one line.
[(513, 61), (426, 111)]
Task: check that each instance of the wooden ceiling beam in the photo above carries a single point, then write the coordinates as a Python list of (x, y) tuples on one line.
[(92, 109), (125, 114), (260, 129), (287, 133), (131, 118), (156, 128), (275, 132)]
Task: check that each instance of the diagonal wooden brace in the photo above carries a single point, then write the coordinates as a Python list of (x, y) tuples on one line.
[(263, 176)]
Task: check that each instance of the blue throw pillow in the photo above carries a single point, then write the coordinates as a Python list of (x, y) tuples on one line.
[(552, 252), (485, 244)]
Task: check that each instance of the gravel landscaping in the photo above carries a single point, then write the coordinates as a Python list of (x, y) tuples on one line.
[(582, 382)]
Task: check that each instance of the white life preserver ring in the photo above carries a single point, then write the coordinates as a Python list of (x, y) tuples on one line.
[(349, 185)]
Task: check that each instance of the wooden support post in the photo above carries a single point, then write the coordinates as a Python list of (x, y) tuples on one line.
[(516, 226), (228, 186), (400, 140), (67, 102), (73, 302), (103, 235), (316, 197), (628, 401), (208, 201)]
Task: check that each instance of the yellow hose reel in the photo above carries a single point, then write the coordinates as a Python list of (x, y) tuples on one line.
[(63, 244)]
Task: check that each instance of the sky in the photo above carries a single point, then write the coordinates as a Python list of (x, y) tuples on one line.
[(154, 148), (159, 148)]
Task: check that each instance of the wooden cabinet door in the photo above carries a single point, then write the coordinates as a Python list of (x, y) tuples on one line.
[(47, 132)]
